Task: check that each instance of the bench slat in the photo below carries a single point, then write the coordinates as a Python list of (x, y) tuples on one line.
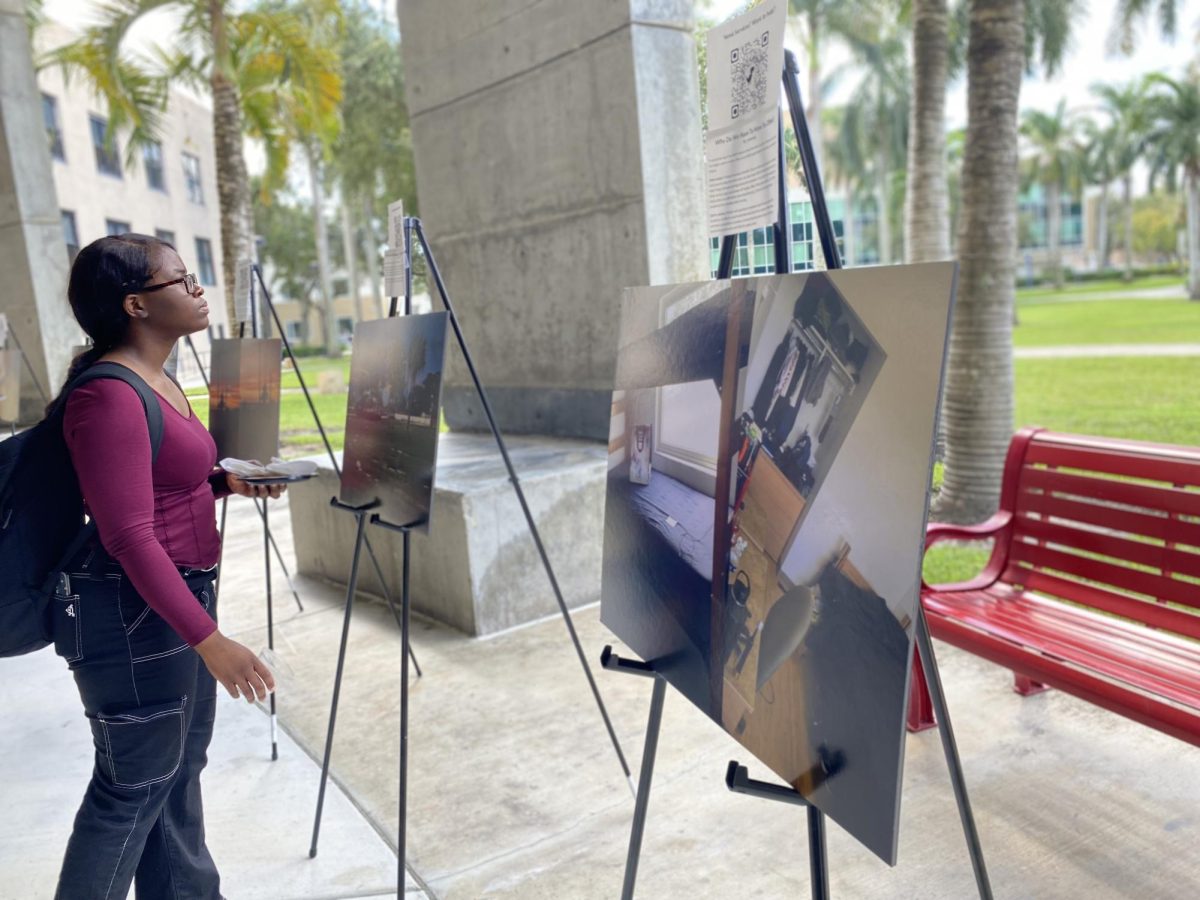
[(1156, 556), (1131, 580), (1150, 612), (1173, 465), (1160, 664), (1105, 515), (1171, 500), (1183, 723)]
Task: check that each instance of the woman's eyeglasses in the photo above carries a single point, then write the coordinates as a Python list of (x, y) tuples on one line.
[(188, 281)]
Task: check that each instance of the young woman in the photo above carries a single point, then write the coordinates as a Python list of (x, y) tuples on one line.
[(135, 615)]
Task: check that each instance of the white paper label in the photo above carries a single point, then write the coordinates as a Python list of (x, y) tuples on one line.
[(745, 72), (396, 225)]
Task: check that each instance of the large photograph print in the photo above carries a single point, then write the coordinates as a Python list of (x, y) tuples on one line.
[(393, 416), (770, 454), (243, 397)]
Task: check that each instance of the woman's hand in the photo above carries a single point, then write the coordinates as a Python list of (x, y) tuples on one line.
[(246, 489), (234, 665)]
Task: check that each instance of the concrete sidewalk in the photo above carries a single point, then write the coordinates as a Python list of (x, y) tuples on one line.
[(515, 791), (258, 813)]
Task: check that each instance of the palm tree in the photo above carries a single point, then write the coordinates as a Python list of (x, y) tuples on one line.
[(1052, 161), (926, 203), (299, 109), (1128, 110), (203, 49), (1130, 12), (1175, 137), (977, 409), (1097, 166), (373, 157), (819, 20), (871, 142)]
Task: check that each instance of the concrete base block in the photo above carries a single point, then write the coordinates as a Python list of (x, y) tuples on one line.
[(477, 569)]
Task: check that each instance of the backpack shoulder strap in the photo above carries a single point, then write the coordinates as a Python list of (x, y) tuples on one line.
[(154, 416)]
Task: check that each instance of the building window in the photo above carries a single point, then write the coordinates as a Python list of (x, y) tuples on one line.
[(753, 252), (70, 233), (345, 328), (152, 159), (1033, 220), (191, 177), (114, 227), (866, 232), (167, 237), (53, 128), (204, 259), (294, 330), (107, 160)]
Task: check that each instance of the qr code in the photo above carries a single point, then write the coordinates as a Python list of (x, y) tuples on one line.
[(748, 74)]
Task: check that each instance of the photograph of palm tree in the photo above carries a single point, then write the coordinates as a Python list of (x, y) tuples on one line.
[(243, 397), (393, 416)]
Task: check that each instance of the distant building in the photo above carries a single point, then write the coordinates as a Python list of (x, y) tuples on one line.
[(169, 191)]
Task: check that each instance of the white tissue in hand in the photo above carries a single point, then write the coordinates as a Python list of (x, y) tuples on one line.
[(276, 468)]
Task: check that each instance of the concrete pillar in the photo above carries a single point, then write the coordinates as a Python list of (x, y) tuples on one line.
[(559, 159), (33, 256)]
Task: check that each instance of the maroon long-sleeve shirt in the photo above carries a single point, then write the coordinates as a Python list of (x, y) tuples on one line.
[(150, 519)]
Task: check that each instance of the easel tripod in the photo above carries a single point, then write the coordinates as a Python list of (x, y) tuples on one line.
[(737, 776), (412, 227)]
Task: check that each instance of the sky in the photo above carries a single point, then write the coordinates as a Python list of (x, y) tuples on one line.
[(1087, 60)]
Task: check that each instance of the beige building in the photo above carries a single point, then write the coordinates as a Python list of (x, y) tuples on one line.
[(169, 190)]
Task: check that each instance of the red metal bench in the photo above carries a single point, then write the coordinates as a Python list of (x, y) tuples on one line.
[(1093, 585)]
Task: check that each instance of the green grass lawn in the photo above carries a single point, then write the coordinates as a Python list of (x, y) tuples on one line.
[(1143, 398), (1108, 322), (1112, 286)]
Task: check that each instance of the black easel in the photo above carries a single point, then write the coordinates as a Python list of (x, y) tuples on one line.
[(268, 541), (737, 776), (411, 226), (359, 512), (256, 271)]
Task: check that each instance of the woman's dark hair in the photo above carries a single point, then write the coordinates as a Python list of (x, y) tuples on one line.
[(103, 274)]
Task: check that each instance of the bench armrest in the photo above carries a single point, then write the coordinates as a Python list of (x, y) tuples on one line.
[(943, 531), (994, 528)]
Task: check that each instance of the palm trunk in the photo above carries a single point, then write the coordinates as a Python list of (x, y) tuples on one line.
[(371, 256), (1127, 209), (1193, 233), (812, 103), (350, 247), (978, 404), (328, 316), (883, 208), (925, 204), (233, 182), (1102, 228), (1054, 232)]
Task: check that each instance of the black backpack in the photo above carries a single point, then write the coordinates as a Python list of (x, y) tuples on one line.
[(41, 514)]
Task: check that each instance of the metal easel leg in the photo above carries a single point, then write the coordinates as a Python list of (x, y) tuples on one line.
[(516, 483), (949, 747), (361, 516)]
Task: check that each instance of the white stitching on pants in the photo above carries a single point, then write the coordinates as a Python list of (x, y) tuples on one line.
[(136, 622), (161, 655), (128, 646), (121, 855)]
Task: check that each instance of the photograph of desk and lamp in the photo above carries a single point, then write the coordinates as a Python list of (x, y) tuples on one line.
[(806, 402)]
